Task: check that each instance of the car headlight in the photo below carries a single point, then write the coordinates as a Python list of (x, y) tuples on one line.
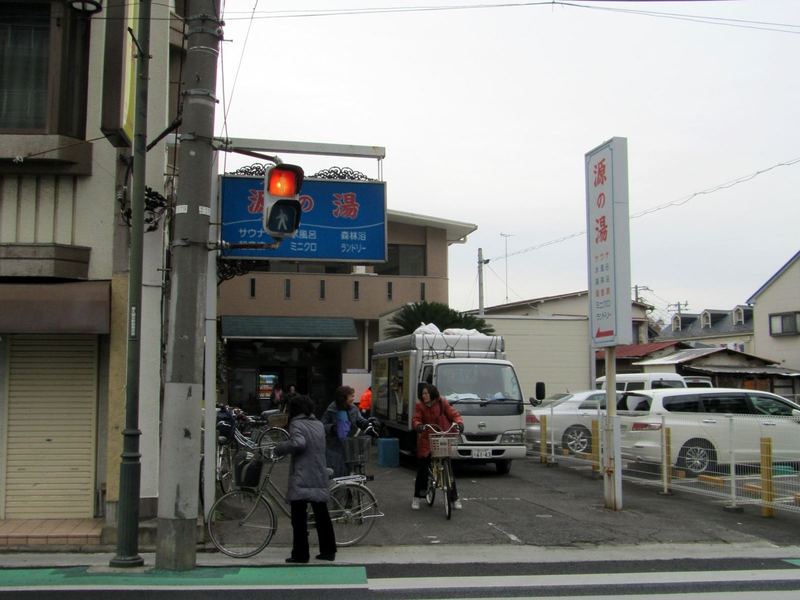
[(512, 437)]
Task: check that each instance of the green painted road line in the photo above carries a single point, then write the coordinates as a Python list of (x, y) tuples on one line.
[(793, 561), (295, 577)]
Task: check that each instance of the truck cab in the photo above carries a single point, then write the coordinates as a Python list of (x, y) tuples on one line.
[(487, 394)]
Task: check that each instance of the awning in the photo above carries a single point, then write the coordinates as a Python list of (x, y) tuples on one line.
[(79, 307), (288, 328), (744, 370)]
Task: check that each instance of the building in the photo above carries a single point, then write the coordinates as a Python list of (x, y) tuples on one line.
[(776, 315), (308, 324), (729, 328), (65, 176)]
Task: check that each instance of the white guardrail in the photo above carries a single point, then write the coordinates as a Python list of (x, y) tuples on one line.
[(740, 459)]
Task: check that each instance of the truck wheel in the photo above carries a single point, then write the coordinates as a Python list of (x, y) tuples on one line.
[(502, 466)]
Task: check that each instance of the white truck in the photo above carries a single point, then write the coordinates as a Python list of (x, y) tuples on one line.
[(471, 372)]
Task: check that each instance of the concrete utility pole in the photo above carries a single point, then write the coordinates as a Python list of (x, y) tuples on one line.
[(481, 262), (505, 238), (179, 477)]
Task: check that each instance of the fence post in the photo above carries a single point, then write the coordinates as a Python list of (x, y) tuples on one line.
[(767, 491), (732, 507), (543, 439), (595, 446), (666, 464)]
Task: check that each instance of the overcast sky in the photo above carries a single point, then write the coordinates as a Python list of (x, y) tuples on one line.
[(486, 114)]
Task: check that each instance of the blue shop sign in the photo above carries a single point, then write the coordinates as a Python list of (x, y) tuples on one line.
[(341, 220)]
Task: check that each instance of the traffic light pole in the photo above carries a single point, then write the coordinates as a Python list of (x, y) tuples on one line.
[(130, 469), (179, 475)]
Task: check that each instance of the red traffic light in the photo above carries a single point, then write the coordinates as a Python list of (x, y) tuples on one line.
[(284, 181)]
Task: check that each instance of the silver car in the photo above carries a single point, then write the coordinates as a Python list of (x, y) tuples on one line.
[(569, 420)]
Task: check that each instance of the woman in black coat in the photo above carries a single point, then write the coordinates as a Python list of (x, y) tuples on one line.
[(308, 481)]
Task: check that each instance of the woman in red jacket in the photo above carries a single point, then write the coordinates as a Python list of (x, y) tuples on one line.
[(434, 410)]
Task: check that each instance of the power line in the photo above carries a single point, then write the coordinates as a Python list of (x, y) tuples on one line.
[(679, 202)]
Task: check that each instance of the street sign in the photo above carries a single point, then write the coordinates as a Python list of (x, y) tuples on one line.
[(342, 221), (608, 243)]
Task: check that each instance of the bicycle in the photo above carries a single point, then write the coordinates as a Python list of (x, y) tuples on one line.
[(242, 522), (440, 471), (357, 448)]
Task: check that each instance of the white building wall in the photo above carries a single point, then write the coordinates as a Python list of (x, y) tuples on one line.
[(553, 350), (783, 295)]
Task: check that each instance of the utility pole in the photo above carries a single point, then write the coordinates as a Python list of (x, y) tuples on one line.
[(678, 306), (179, 476), (506, 236), (481, 262), (130, 469)]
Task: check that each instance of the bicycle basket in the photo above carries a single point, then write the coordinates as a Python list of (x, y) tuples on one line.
[(356, 449), (443, 444), (247, 473)]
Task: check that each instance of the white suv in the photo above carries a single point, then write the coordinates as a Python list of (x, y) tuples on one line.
[(701, 421)]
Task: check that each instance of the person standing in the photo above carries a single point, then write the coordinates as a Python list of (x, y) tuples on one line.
[(434, 410), (365, 403), (308, 481), (340, 420)]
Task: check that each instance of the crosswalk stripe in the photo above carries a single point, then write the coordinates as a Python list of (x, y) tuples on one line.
[(411, 583)]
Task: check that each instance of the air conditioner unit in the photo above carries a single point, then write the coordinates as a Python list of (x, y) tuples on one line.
[(360, 269)]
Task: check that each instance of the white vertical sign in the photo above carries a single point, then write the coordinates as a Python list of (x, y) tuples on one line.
[(608, 243)]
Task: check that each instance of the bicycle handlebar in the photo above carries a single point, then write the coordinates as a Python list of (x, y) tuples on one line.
[(436, 429)]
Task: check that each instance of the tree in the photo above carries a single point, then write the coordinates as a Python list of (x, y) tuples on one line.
[(411, 316)]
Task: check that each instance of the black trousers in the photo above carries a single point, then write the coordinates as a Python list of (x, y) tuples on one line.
[(325, 535), (421, 483)]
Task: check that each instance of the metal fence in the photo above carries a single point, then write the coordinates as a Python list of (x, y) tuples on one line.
[(741, 460)]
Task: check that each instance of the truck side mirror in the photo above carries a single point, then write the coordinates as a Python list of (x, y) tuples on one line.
[(540, 393)]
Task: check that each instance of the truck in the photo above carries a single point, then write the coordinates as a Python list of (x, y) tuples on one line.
[(472, 373)]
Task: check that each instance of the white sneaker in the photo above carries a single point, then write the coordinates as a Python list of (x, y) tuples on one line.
[(457, 505), (415, 503)]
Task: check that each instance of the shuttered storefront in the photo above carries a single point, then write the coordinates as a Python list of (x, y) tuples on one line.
[(50, 451)]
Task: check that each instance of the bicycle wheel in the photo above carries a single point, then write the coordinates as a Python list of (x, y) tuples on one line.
[(270, 437), (430, 493), (353, 510), (447, 485), (225, 468), (241, 523)]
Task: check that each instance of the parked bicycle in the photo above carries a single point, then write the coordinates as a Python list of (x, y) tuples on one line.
[(440, 472), (242, 522), (357, 448)]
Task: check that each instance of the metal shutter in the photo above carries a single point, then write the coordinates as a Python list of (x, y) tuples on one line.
[(50, 453)]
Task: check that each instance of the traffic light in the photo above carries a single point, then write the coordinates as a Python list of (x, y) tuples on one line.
[(282, 185)]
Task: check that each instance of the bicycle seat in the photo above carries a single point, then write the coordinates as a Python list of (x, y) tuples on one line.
[(268, 413)]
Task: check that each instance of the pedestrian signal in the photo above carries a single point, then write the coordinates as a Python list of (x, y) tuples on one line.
[(282, 185)]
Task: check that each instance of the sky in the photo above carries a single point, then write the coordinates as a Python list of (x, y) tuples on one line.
[(487, 111)]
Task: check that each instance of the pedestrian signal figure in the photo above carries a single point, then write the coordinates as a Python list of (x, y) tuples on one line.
[(308, 480), (434, 410), (341, 419)]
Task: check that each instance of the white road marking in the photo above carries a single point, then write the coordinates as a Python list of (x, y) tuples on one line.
[(510, 536)]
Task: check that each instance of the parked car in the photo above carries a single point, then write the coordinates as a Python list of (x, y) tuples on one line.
[(569, 420), (698, 381), (701, 421), (627, 382)]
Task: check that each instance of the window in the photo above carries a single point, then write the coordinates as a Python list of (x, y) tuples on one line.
[(676, 323), (356, 290), (322, 289), (738, 315), (287, 288), (735, 404), (389, 290), (44, 61), (690, 403), (705, 319), (784, 324), (252, 287), (768, 405), (422, 292), (403, 259)]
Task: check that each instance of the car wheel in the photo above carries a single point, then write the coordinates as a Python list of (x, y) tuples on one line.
[(697, 457), (503, 466), (577, 439)]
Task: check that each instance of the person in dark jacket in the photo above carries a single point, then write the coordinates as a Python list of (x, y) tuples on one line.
[(308, 481), (434, 410), (341, 420)]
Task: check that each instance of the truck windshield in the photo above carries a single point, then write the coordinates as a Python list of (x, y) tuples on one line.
[(470, 382)]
